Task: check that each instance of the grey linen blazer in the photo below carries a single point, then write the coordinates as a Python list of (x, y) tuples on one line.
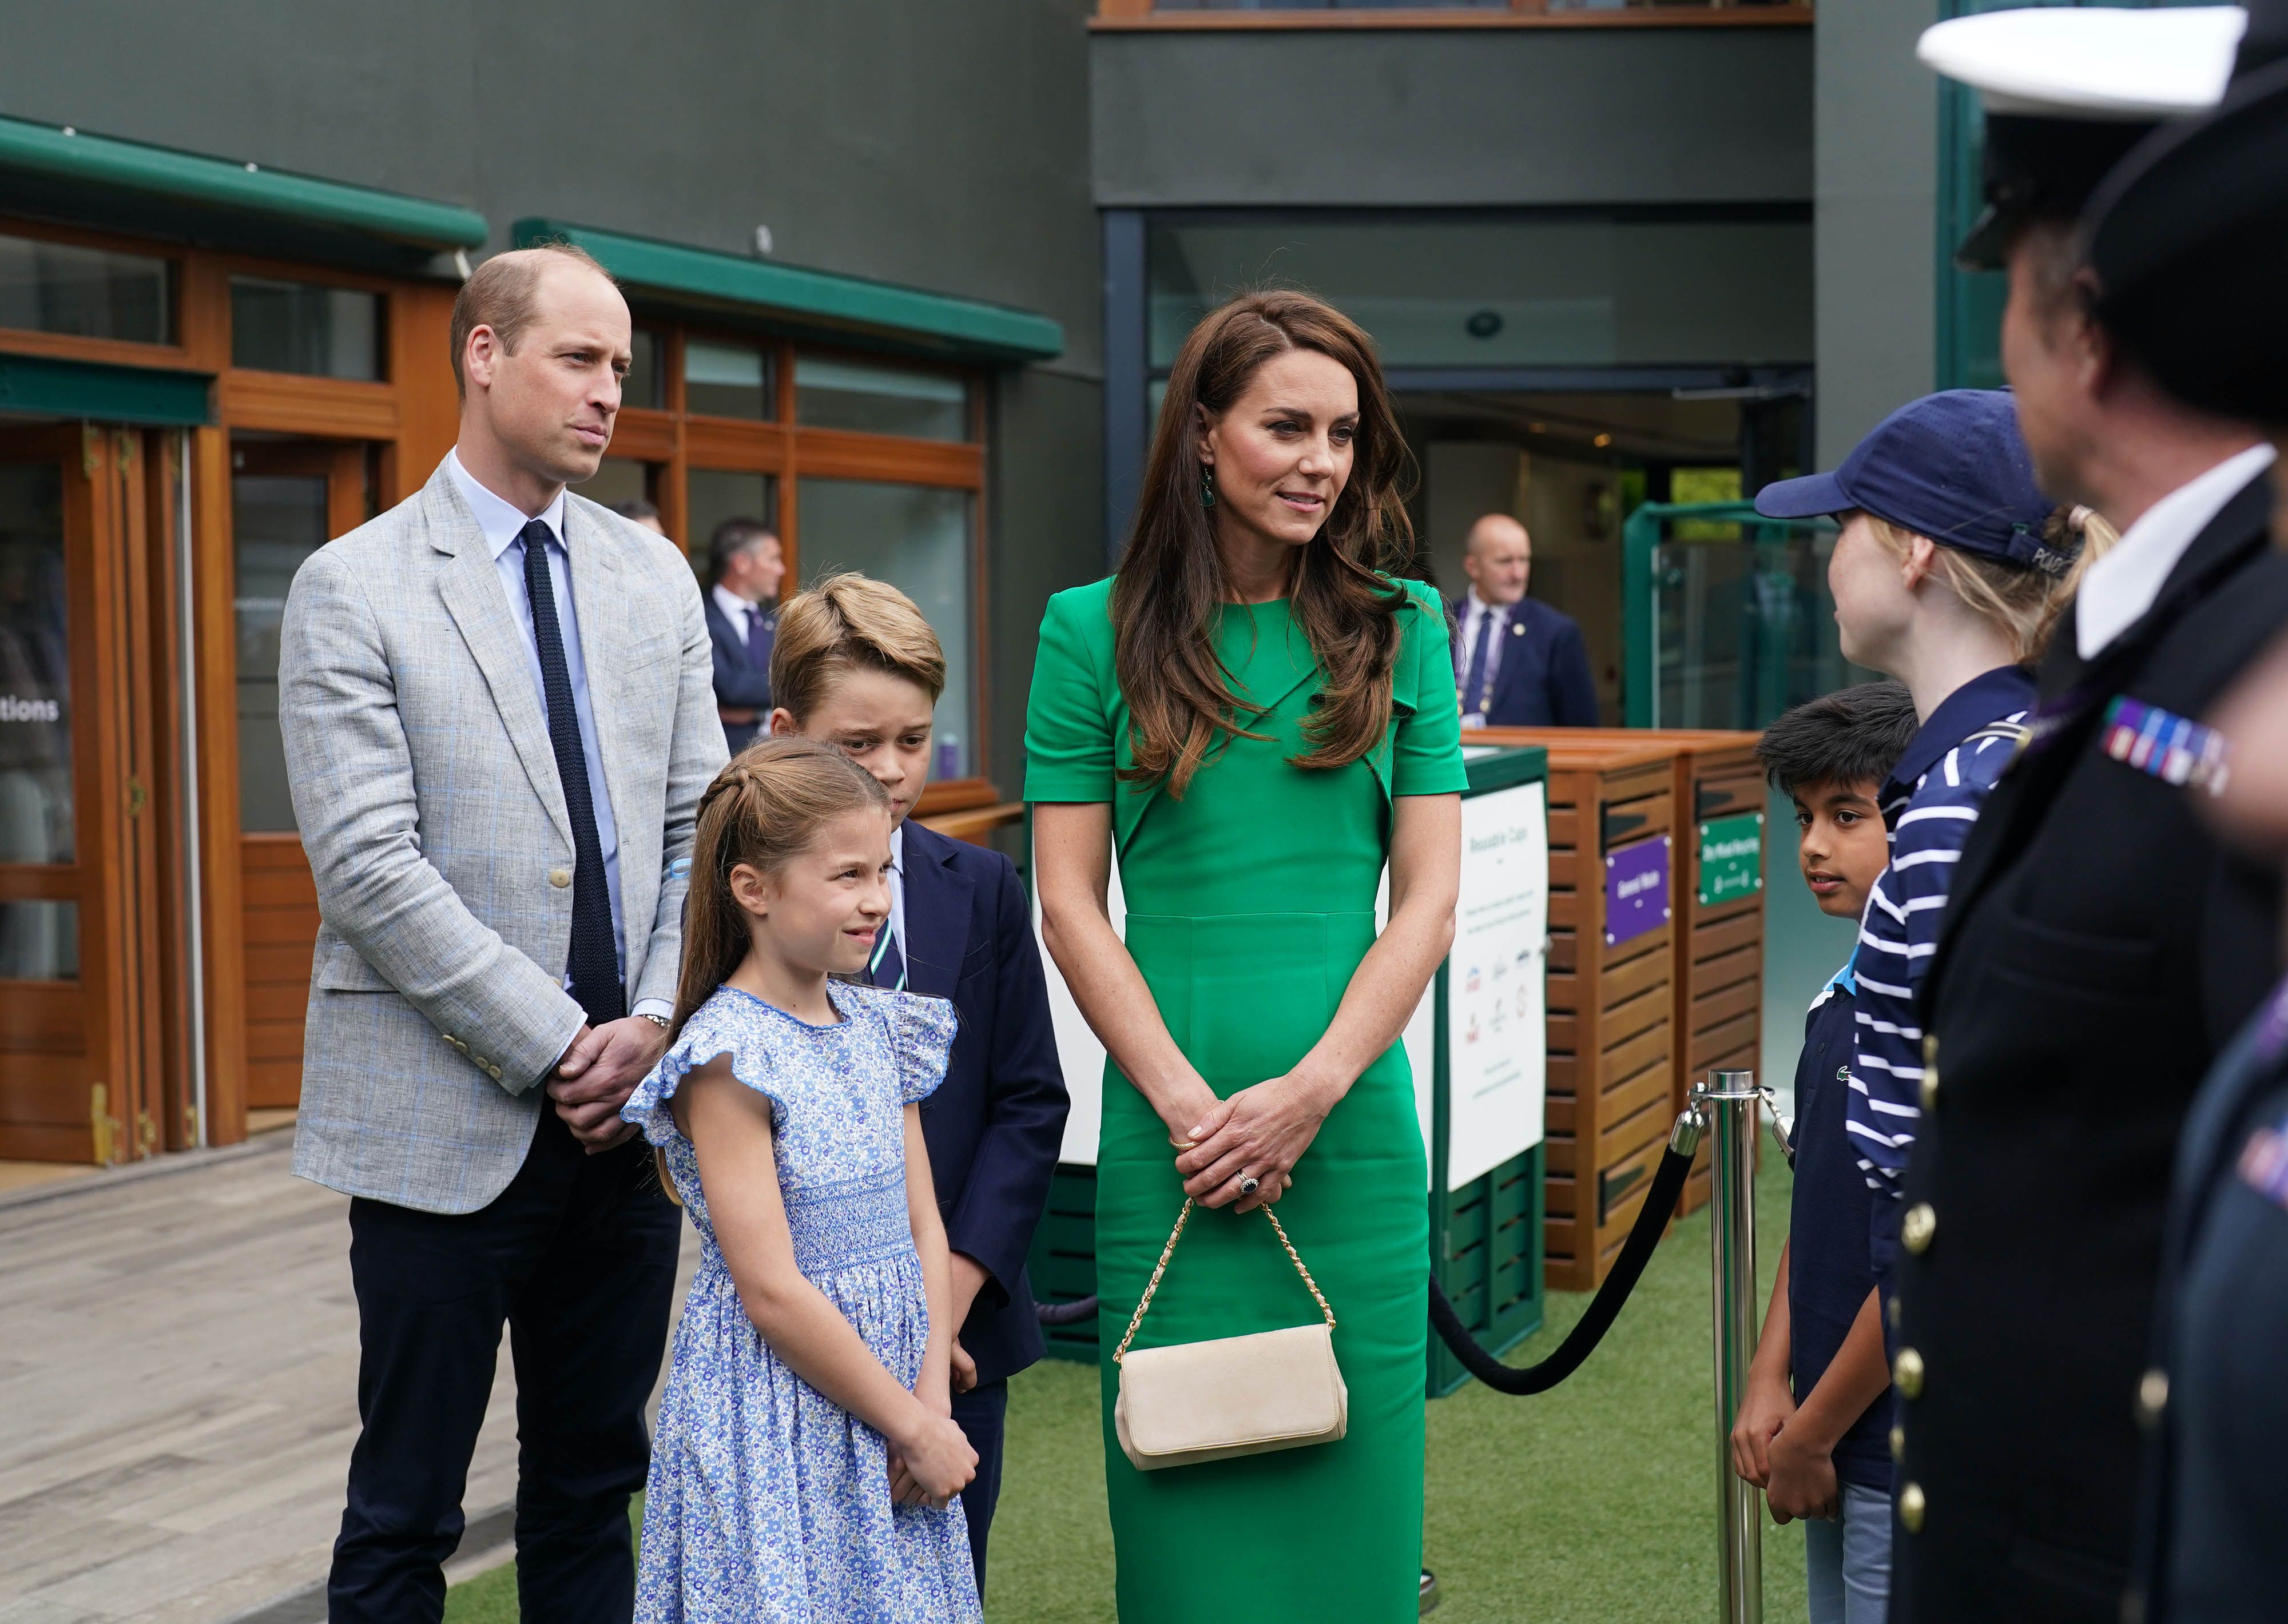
[(427, 791)]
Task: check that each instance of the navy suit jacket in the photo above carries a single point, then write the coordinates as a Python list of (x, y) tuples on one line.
[(996, 1123), (1543, 680), (738, 684)]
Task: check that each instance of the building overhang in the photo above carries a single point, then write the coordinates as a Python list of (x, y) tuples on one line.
[(848, 309)]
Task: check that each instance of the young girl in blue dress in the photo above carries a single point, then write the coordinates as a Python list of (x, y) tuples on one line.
[(806, 1467)]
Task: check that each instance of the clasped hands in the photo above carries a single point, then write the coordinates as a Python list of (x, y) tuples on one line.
[(596, 1076), (1794, 1468), (1261, 1132)]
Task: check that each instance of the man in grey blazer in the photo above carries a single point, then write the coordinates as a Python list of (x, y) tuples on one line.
[(499, 717)]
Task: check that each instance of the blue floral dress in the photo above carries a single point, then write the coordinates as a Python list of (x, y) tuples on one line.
[(768, 1503)]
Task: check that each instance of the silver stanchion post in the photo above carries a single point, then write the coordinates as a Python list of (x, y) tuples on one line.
[(1732, 1101)]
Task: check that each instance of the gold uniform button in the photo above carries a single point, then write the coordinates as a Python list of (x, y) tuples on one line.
[(1929, 1091), (2152, 1396), (1907, 1374), (1911, 1507), (1898, 1443), (560, 877), (1916, 1228), (1930, 1048)]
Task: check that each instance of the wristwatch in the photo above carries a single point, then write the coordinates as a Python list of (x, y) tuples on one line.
[(660, 1021)]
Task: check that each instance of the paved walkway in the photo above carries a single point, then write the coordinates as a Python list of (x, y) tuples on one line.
[(177, 1393)]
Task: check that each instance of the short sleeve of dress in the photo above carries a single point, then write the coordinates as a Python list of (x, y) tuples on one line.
[(705, 1037), (1068, 724), (922, 1030), (1426, 755)]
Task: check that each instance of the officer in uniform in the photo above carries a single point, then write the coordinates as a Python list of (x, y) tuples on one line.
[(2101, 944), (2188, 245)]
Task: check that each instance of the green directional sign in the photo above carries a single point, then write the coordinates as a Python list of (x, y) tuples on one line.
[(1731, 858)]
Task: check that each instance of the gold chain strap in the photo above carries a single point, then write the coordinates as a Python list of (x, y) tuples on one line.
[(1169, 1251)]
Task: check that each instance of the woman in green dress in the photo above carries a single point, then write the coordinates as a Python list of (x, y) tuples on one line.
[(1256, 716)]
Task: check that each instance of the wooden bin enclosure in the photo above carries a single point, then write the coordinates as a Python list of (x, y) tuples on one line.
[(1612, 976), (1719, 954)]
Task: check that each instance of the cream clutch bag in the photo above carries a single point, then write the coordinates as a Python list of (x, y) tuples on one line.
[(1196, 1401)]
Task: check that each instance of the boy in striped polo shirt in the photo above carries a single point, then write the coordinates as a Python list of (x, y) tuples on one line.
[(1951, 571)]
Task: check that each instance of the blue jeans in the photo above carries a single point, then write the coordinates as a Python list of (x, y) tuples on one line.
[(1847, 1562)]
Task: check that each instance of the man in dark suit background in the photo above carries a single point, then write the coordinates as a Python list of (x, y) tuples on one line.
[(856, 666), (1517, 662), (745, 567)]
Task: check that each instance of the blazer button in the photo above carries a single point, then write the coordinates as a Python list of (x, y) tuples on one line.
[(1907, 1374), (495, 1070), (480, 1062), (1929, 1089), (560, 877), (1916, 1228), (2152, 1396), (1912, 1506)]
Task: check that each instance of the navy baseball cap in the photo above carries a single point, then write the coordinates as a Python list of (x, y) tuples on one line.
[(1950, 466)]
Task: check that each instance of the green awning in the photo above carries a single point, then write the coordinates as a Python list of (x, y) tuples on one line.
[(49, 387), (903, 318), (65, 174)]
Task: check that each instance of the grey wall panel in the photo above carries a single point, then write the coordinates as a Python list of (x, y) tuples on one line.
[(1452, 117), (941, 145), (1875, 256)]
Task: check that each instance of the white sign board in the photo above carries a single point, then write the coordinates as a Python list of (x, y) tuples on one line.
[(1496, 1031), (1078, 1050)]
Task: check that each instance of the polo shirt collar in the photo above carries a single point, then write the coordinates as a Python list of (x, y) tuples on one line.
[(1985, 698)]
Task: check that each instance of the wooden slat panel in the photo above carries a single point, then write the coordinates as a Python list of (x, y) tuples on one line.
[(282, 927), (277, 889), (274, 1085), (1557, 1116), (1566, 910), (1564, 827), (1632, 1016), (280, 1041), (1564, 1070), (1561, 1156), (1722, 936), (43, 1142), (1727, 970), (274, 854), (1622, 1133), (1649, 1048), (1714, 1009), (1733, 1034), (1564, 1028), (721, 442), (331, 407), (1625, 981), (52, 1093), (277, 1002), (1654, 944), (287, 964), (1564, 869), (1564, 950), (48, 1016)]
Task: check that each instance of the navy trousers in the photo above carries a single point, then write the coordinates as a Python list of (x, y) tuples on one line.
[(983, 1414), (577, 1257)]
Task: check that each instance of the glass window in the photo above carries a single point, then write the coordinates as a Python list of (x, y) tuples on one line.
[(1511, 293), (726, 380), (85, 293), (878, 399), (36, 714), (617, 480), (306, 328), (277, 521), (713, 494), (39, 941), (918, 539), (641, 386)]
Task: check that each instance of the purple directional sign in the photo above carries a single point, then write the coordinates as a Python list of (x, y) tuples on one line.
[(1636, 890)]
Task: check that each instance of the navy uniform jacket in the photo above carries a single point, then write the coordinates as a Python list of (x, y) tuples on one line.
[(2215, 1547), (1543, 679), (739, 685), (2099, 950), (994, 1124)]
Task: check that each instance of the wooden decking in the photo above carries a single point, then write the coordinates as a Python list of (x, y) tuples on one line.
[(177, 1393)]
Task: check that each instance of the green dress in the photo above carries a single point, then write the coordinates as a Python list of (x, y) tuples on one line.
[(1250, 902)]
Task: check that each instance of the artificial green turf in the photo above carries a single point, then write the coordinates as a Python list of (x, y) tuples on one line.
[(1593, 1504)]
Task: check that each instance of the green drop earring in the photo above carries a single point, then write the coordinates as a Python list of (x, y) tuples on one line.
[(1207, 487)]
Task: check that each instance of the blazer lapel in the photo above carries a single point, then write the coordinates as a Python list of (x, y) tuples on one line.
[(607, 632), (937, 913), (471, 590)]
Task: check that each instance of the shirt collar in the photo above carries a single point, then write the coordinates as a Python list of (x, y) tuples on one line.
[(1477, 606), (2118, 589), (898, 848), (735, 608), (1985, 698), (501, 521)]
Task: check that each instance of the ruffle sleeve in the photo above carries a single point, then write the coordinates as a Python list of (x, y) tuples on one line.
[(922, 1031), (703, 1040)]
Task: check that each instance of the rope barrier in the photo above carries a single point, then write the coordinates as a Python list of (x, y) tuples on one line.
[(1652, 1217)]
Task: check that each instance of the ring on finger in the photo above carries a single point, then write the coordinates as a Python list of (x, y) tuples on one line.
[(1248, 1183)]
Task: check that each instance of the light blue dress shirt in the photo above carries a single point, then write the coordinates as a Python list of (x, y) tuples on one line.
[(503, 524)]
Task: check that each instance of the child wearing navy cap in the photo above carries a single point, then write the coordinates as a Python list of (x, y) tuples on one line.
[(1951, 572), (1812, 1430)]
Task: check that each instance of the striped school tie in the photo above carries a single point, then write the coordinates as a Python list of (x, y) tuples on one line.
[(888, 968)]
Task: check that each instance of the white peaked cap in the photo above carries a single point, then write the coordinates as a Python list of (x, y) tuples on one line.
[(2091, 62)]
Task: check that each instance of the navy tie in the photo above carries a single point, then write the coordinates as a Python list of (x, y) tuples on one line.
[(761, 631), (1475, 700), (887, 967), (594, 966)]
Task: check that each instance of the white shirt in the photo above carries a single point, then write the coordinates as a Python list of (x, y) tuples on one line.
[(737, 610), (898, 894), (502, 523), (1474, 610), (2119, 588)]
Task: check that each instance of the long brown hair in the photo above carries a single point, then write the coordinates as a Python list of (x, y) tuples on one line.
[(1170, 592), (764, 810)]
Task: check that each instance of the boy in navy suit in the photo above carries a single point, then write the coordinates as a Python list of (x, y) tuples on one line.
[(855, 665)]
